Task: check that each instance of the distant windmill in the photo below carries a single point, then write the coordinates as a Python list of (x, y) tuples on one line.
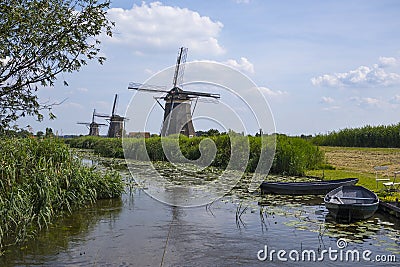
[(116, 127), (176, 100), (93, 126)]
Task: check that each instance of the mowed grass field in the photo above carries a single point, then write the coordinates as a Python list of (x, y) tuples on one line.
[(360, 163)]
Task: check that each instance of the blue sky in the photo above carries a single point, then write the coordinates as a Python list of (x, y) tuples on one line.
[(322, 65)]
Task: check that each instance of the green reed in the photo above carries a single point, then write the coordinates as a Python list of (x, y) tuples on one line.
[(41, 179), (293, 155)]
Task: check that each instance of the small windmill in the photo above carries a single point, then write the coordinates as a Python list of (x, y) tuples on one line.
[(177, 108), (93, 126), (116, 127)]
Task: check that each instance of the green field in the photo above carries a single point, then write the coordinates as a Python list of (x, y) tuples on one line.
[(359, 163)]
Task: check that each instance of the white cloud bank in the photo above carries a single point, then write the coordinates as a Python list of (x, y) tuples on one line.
[(269, 92), (367, 101), (243, 65), (156, 26), (363, 76)]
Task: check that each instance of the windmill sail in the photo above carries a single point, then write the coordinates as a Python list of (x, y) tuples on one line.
[(93, 126), (180, 67), (148, 88), (177, 109)]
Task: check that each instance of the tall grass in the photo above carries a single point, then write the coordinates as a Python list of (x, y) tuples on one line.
[(41, 179), (367, 136), (293, 155)]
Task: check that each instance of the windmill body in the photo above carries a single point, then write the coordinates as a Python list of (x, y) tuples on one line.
[(177, 109), (177, 115), (94, 127), (116, 127)]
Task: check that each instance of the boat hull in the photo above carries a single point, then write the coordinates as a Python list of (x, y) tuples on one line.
[(305, 188), (351, 212), (351, 203)]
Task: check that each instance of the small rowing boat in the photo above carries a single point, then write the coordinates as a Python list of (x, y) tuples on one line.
[(305, 188), (351, 203)]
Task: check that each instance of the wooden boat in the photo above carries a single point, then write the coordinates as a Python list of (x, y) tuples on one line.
[(351, 203), (305, 188)]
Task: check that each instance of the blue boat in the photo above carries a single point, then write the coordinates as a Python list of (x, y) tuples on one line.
[(305, 188), (351, 203)]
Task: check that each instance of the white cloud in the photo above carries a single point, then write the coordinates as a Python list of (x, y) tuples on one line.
[(370, 101), (269, 92), (242, 1), (327, 99), (155, 26), (387, 62), (367, 101), (243, 65), (363, 76)]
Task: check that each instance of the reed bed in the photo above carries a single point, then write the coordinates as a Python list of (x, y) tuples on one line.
[(42, 179), (368, 136), (293, 155)]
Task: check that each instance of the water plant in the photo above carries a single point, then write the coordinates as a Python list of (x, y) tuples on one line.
[(293, 155), (42, 179)]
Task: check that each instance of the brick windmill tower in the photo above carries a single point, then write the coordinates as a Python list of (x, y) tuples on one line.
[(116, 122)]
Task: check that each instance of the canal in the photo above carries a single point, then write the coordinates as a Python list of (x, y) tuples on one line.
[(237, 230)]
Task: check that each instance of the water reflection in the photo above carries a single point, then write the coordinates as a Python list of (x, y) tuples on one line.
[(64, 232)]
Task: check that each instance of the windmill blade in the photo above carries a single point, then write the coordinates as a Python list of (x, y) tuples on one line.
[(148, 88), (192, 93), (84, 123), (102, 116), (114, 105), (180, 67), (94, 113)]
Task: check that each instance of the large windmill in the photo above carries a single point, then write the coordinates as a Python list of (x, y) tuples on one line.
[(93, 126), (177, 108), (116, 127)]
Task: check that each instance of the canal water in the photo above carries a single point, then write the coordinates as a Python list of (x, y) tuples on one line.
[(235, 230)]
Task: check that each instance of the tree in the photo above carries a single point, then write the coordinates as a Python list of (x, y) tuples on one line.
[(39, 134), (49, 133), (213, 132), (40, 39)]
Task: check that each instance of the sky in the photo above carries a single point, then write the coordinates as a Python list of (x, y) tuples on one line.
[(320, 66)]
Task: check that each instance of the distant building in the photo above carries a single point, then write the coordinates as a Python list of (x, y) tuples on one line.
[(139, 134)]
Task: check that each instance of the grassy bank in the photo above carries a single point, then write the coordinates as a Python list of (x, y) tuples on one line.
[(41, 179), (359, 163), (293, 155)]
